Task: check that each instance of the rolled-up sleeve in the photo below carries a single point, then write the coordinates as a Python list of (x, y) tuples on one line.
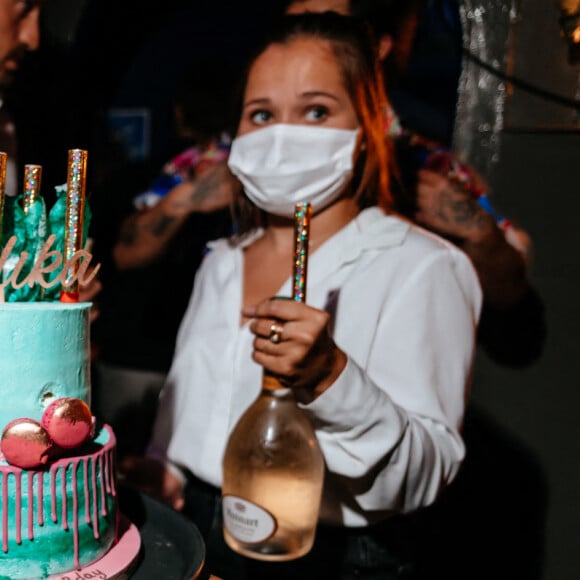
[(390, 425)]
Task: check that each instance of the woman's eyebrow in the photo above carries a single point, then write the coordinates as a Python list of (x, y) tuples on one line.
[(257, 101), (316, 94)]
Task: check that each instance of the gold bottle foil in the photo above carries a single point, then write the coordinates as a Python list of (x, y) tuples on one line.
[(302, 215), (32, 180), (75, 205)]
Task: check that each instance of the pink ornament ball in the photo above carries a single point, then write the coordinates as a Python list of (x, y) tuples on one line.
[(68, 421), (25, 444)]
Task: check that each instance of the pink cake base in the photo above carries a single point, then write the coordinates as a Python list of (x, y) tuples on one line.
[(117, 562)]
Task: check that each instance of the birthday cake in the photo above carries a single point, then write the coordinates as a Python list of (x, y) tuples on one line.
[(58, 496), (58, 506)]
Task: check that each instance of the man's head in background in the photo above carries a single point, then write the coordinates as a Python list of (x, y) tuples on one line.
[(19, 34), (393, 22)]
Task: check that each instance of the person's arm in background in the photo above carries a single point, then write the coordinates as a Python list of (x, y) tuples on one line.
[(145, 235), (512, 329)]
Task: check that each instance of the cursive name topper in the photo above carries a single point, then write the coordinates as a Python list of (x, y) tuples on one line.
[(47, 262)]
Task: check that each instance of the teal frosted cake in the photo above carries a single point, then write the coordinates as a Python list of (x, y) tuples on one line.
[(45, 355), (58, 508)]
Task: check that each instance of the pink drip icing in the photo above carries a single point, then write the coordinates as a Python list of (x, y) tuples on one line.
[(112, 473), (114, 493), (30, 481), (95, 502), (107, 486), (19, 507), (107, 472), (53, 493), (86, 490), (104, 456), (103, 479), (75, 513), (4, 512), (63, 498), (40, 481)]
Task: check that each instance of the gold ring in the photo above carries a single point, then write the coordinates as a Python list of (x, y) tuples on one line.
[(276, 333)]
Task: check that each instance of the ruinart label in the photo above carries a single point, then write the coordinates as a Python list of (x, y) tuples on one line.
[(246, 521)]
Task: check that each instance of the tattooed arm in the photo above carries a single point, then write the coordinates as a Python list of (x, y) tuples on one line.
[(145, 236), (512, 328), (445, 208)]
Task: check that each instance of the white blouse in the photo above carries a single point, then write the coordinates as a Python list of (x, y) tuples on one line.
[(404, 307)]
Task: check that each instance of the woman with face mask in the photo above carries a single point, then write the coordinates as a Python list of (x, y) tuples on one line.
[(379, 357)]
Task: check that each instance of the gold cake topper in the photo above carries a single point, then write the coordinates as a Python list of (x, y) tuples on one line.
[(78, 263), (74, 260)]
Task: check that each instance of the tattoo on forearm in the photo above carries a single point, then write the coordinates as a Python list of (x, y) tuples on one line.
[(160, 227), (132, 229), (459, 210), (205, 186), (128, 233)]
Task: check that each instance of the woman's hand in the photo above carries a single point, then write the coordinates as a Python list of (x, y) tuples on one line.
[(153, 478), (293, 341)]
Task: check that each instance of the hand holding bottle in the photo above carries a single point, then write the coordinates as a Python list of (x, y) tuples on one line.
[(293, 341), (273, 468)]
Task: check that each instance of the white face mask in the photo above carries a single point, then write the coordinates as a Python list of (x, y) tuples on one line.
[(282, 165)]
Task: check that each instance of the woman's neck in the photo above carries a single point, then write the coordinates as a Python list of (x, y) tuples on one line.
[(323, 225)]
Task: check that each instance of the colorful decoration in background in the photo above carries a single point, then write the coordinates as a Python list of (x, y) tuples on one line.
[(35, 245), (189, 163), (487, 31), (433, 156), (570, 19), (442, 161), (570, 27)]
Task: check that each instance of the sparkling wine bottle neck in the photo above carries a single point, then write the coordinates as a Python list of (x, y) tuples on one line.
[(272, 384)]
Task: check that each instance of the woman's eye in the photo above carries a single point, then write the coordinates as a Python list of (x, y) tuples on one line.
[(314, 114), (260, 117)]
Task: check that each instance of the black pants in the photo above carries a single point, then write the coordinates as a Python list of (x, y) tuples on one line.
[(375, 553), (489, 523)]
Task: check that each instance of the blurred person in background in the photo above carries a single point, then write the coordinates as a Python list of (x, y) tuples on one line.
[(151, 244), (20, 34)]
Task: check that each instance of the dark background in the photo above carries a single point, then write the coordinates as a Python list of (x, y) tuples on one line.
[(100, 55)]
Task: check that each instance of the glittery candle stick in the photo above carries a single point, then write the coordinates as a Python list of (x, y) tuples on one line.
[(75, 205), (3, 158), (32, 178), (302, 214)]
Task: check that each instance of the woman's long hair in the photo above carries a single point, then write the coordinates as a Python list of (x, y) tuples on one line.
[(356, 53)]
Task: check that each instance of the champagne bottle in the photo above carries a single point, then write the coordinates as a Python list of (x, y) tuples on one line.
[(273, 468)]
